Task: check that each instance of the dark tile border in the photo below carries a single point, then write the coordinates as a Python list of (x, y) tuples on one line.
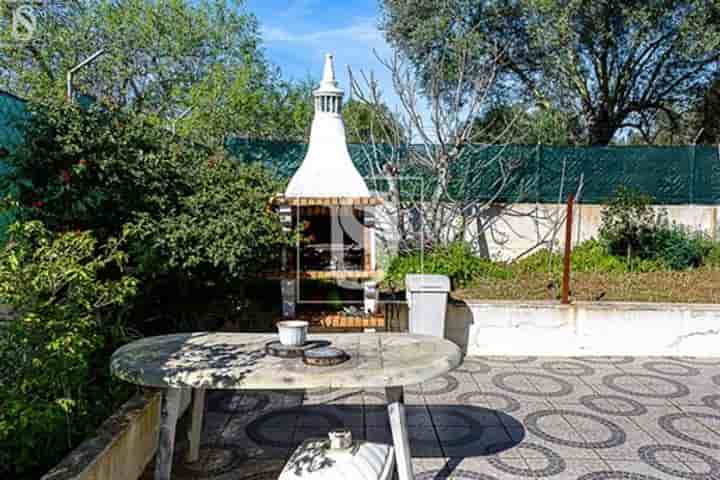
[(648, 454), (499, 381), (656, 367), (680, 389), (666, 422), (636, 408), (568, 368), (556, 464), (616, 475), (617, 435)]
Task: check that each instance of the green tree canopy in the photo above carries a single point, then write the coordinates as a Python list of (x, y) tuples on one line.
[(104, 169), (194, 65), (613, 64), (520, 124), (368, 123)]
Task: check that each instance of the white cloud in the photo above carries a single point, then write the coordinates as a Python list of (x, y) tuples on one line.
[(354, 44), (360, 33)]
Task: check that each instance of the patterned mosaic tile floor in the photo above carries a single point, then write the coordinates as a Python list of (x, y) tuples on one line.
[(495, 418)]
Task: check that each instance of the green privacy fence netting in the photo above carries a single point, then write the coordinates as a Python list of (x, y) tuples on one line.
[(510, 173), (671, 174)]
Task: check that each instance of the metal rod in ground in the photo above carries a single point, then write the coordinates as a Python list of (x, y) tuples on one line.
[(568, 250)]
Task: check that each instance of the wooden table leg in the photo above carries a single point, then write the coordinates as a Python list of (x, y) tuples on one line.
[(398, 425), (198, 407), (169, 409)]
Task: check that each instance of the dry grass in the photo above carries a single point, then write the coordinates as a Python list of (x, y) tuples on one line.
[(693, 286)]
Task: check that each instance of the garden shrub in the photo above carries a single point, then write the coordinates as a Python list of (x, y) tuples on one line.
[(627, 223), (631, 229), (96, 168), (200, 223), (675, 247), (66, 293), (712, 255), (591, 256), (223, 229), (457, 261)]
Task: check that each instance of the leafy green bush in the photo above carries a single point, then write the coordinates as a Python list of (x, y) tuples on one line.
[(712, 255), (627, 223), (675, 247), (456, 260), (591, 256), (96, 168), (65, 293), (222, 230), (632, 230)]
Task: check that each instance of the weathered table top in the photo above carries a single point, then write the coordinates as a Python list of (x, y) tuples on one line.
[(239, 361)]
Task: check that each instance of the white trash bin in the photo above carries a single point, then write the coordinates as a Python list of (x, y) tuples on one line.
[(315, 459), (427, 303)]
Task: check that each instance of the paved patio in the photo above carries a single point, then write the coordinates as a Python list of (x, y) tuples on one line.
[(494, 418)]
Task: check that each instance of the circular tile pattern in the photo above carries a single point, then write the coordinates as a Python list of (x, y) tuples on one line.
[(458, 474), (256, 429), (615, 438), (633, 406), (703, 362), (604, 360), (679, 390), (555, 463), (574, 369), (649, 455), (511, 405), (712, 401), (474, 366), (616, 475), (562, 387), (510, 360), (214, 460), (473, 432), (451, 384), (471, 398), (671, 368), (231, 402), (667, 423)]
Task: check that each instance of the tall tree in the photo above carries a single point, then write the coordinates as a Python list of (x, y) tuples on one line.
[(709, 113), (196, 66), (612, 63), (366, 122), (520, 124)]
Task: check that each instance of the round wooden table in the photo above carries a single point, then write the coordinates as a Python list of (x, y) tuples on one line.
[(237, 361)]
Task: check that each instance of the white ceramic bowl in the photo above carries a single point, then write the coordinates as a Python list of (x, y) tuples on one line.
[(293, 332)]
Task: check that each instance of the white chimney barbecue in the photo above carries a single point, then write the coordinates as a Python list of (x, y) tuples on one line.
[(327, 170), (329, 202)]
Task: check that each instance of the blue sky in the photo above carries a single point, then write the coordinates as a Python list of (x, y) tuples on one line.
[(297, 33)]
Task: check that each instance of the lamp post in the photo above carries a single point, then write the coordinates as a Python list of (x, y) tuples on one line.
[(77, 67)]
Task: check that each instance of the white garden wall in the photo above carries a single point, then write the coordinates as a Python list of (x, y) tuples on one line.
[(519, 228), (584, 328)]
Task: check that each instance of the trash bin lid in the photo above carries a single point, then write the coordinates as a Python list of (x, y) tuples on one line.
[(427, 283), (315, 460)]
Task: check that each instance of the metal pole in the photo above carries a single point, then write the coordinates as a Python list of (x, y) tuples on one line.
[(77, 67), (568, 250)]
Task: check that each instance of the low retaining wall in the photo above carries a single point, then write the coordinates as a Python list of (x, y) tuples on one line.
[(124, 445), (584, 328)]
